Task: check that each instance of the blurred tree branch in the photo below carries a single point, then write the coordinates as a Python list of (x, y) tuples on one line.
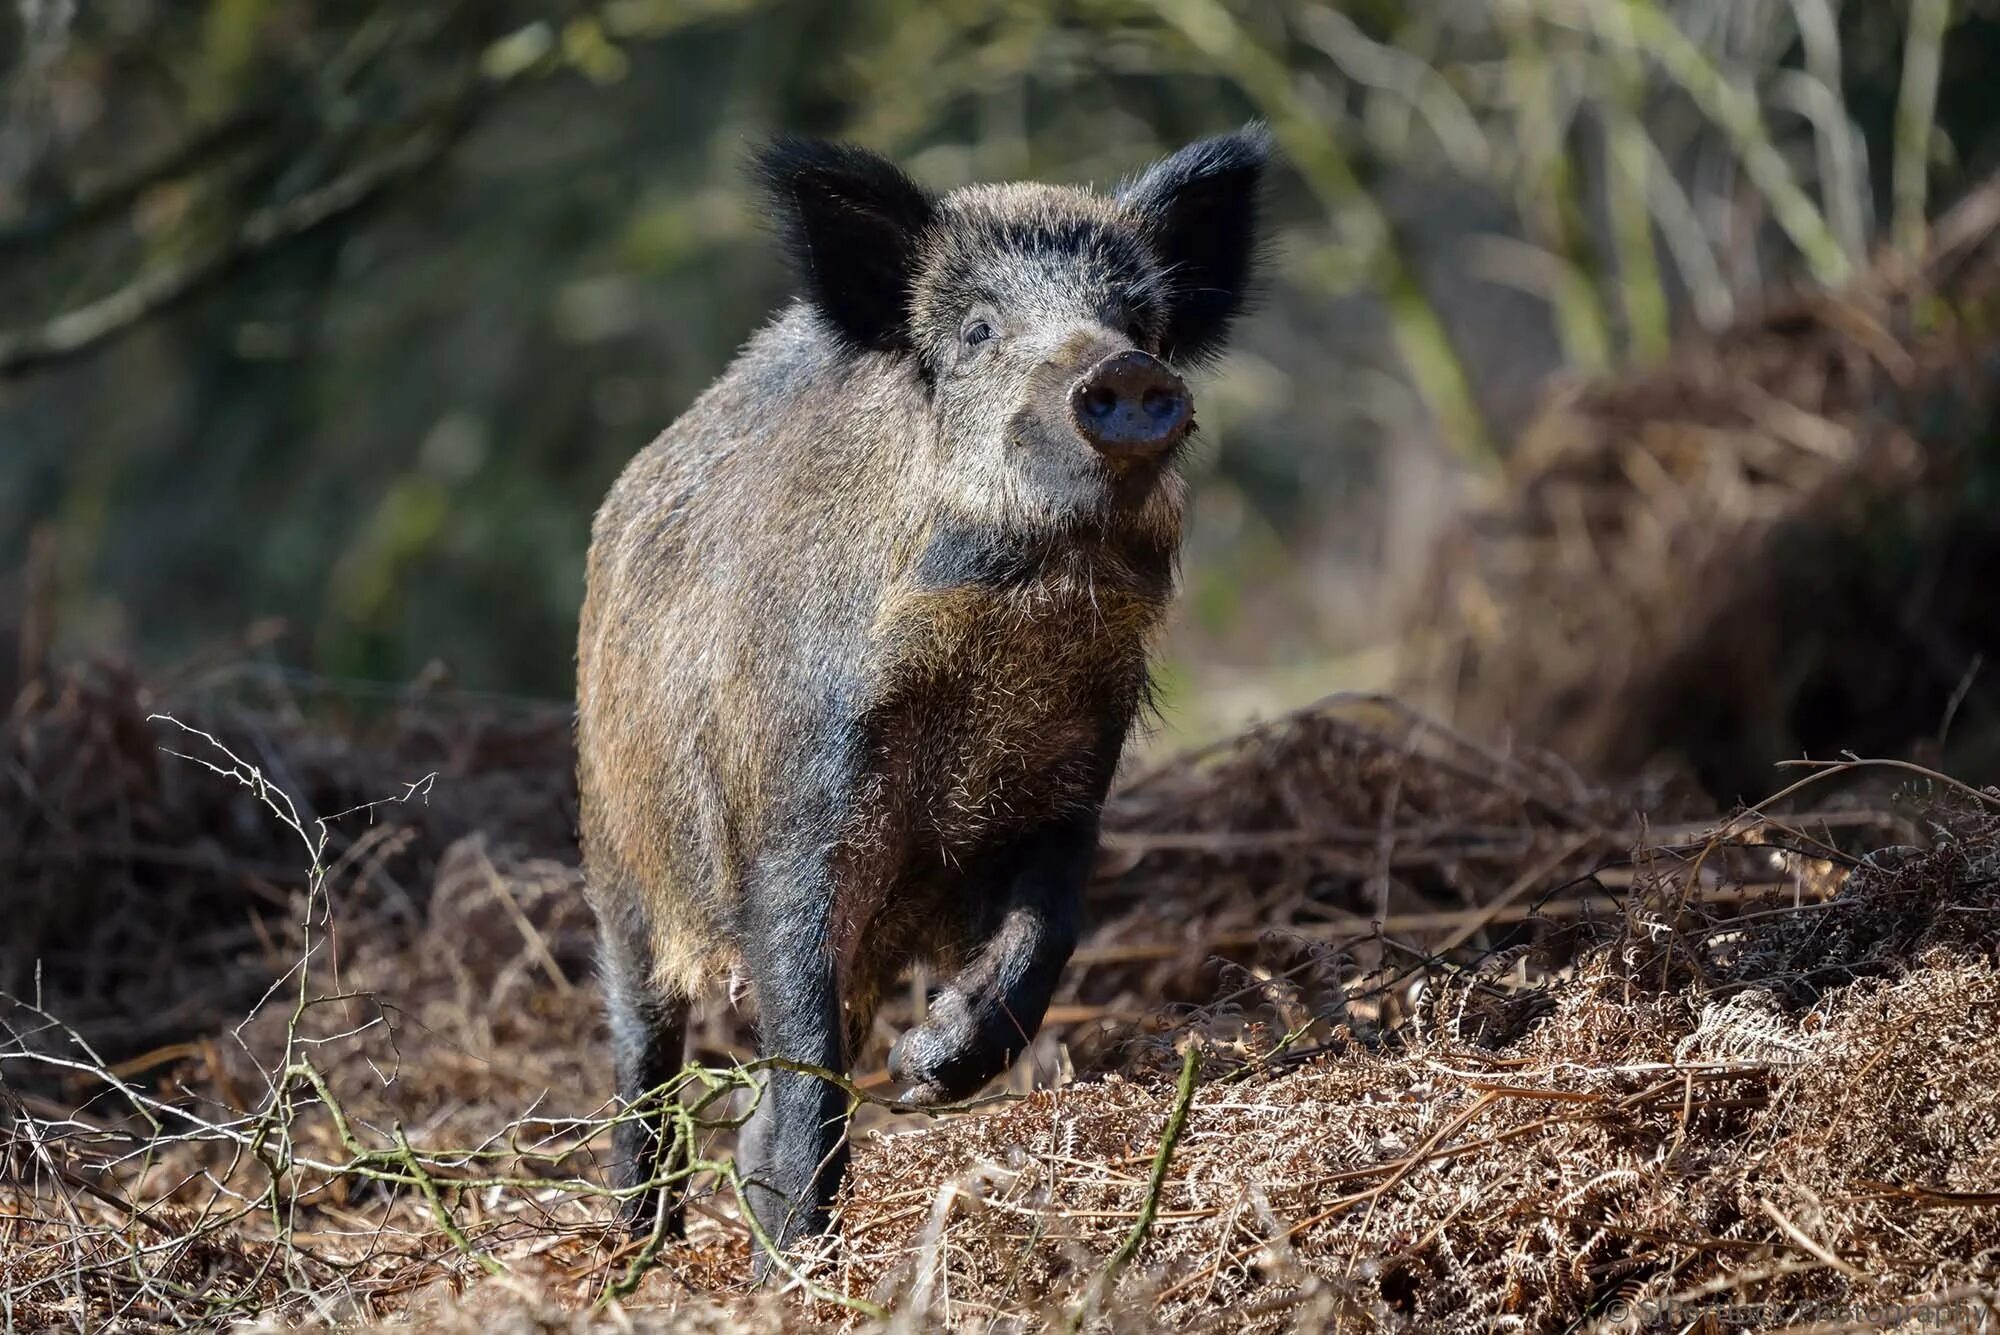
[(418, 141), (121, 191), (80, 329)]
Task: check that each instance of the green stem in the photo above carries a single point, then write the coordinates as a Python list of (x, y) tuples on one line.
[(1736, 113), (1162, 1158), (1149, 1208), (1916, 117), (1548, 195), (1628, 164)]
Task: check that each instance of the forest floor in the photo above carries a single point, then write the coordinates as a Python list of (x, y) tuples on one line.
[(1376, 1028)]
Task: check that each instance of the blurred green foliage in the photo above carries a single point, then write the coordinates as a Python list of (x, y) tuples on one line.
[(389, 425)]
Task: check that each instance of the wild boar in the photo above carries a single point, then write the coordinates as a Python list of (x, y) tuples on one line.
[(866, 628)]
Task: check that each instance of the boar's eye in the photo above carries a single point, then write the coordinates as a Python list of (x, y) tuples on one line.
[(1137, 333), (976, 333)]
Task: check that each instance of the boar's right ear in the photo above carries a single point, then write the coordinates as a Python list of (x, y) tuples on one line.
[(851, 223), (1200, 211)]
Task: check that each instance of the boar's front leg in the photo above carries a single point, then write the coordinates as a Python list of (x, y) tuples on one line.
[(795, 1146), (982, 1019)]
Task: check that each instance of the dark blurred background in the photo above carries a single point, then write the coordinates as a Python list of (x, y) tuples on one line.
[(324, 326)]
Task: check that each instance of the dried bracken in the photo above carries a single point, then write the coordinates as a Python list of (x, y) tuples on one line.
[(1480, 1045), (1739, 1137)]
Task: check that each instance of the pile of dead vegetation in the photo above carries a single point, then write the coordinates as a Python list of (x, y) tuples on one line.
[(1778, 543), (147, 902), (1786, 1118), (1477, 1039)]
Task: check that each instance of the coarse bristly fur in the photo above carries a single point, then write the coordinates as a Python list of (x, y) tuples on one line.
[(866, 628)]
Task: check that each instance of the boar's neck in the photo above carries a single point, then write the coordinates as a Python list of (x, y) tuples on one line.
[(968, 557), (1004, 673)]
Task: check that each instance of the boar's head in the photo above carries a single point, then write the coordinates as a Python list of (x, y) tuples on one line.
[(1046, 325)]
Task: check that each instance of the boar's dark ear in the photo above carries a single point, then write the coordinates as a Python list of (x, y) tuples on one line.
[(1200, 207), (850, 222)]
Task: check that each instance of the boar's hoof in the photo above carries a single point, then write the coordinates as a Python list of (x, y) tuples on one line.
[(948, 1056)]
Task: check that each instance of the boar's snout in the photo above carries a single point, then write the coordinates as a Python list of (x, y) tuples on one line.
[(1130, 406)]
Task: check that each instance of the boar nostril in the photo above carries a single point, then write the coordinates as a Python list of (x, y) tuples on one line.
[(1131, 406)]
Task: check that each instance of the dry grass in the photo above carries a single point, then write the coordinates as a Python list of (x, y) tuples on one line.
[(1477, 1043)]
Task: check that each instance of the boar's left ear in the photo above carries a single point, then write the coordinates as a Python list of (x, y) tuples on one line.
[(1200, 207), (850, 222)]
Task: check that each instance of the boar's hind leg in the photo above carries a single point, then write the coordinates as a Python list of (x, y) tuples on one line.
[(649, 1041), (795, 1146), (980, 1021)]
